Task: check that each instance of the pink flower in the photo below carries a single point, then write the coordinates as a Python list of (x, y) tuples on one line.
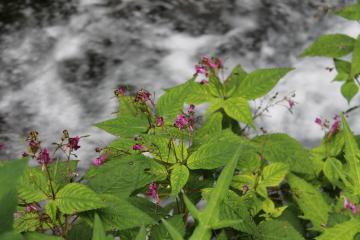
[(191, 109), (204, 81), (142, 96), (120, 91), (34, 146), (318, 121), (2, 146), (159, 121), (245, 188), (200, 69), (74, 143), (291, 103), (181, 121), (214, 63), (349, 205), (138, 147), (30, 208), (44, 157), (100, 160), (153, 193), (336, 124)]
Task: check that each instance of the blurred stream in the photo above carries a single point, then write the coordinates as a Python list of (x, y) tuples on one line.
[(61, 60)]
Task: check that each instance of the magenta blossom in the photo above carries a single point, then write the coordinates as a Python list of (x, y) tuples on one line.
[(120, 91), (153, 193), (100, 160), (319, 121), (74, 143), (34, 146), (291, 103), (31, 208), (336, 124), (138, 147), (349, 205), (160, 121), (245, 188), (44, 157), (200, 69), (142, 96), (191, 109), (181, 121), (214, 63), (2, 146), (204, 82)]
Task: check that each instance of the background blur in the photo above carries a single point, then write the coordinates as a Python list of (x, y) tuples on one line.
[(61, 60)]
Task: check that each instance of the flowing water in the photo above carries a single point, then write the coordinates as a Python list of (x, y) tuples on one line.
[(61, 60)]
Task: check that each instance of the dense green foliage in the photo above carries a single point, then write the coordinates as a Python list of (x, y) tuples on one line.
[(173, 173)]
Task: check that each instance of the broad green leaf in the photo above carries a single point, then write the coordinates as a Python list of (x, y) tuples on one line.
[(121, 176), (349, 89), (211, 212), (75, 197), (178, 178), (351, 155), (272, 175), (11, 236), (174, 233), (98, 231), (142, 234), (343, 69), (125, 126), (40, 236), (27, 222), (120, 214), (282, 148), (61, 172), (351, 12), (277, 230), (80, 230), (310, 201), (238, 108), (212, 125), (214, 86), (50, 209), (355, 62), (33, 185), (331, 45), (330, 147), (159, 232), (343, 231), (10, 172), (258, 83), (334, 171), (127, 107), (165, 149), (234, 80)]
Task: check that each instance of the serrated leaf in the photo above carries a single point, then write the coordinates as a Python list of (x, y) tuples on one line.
[(159, 232), (142, 234), (310, 201), (258, 83), (343, 69), (126, 127), (234, 80), (10, 172), (80, 230), (352, 154), (27, 222), (272, 175), (351, 12), (178, 178), (121, 176), (282, 148), (33, 185), (238, 108), (349, 89), (174, 233), (98, 230), (50, 209), (343, 231), (75, 197), (333, 171), (331, 45), (277, 230), (11, 235), (40, 236)]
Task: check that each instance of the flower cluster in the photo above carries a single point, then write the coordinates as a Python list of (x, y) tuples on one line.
[(100, 160), (348, 205), (153, 192), (333, 128), (120, 91), (44, 157), (186, 120), (205, 65)]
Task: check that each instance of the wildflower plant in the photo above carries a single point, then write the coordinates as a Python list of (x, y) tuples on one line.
[(176, 173)]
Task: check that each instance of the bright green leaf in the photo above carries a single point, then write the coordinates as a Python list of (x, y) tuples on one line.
[(178, 178), (238, 108), (349, 89), (355, 62), (351, 12), (343, 231), (277, 230), (142, 234), (124, 126)]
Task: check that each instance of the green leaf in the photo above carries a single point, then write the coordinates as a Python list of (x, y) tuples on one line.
[(351, 12), (310, 201), (282, 148), (142, 234), (214, 86), (33, 185), (258, 83), (272, 175), (349, 89), (238, 108), (121, 176), (98, 231), (61, 172), (234, 80), (277, 230), (211, 212), (120, 214), (125, 126), (11, 236), (343, 231), (343, 69), (352, 155), (178, 178), (40, 236), (80, 230), (212, 125), (10, 172), (174, 233), (355, 62), (334, 171), (50, 209), (27, 222), (75, 197), (160, 232), (332, 45)]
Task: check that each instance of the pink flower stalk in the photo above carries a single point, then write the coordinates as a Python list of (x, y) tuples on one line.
[(44, 157), (100, 160), (160, 121), (336, 124), (120, 91), (142, 96), (349, 205), (74, 143), (204, 81), (138, 147), (191, 109), (200, 69), (153, 193), (181, 121), (214, 63)]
